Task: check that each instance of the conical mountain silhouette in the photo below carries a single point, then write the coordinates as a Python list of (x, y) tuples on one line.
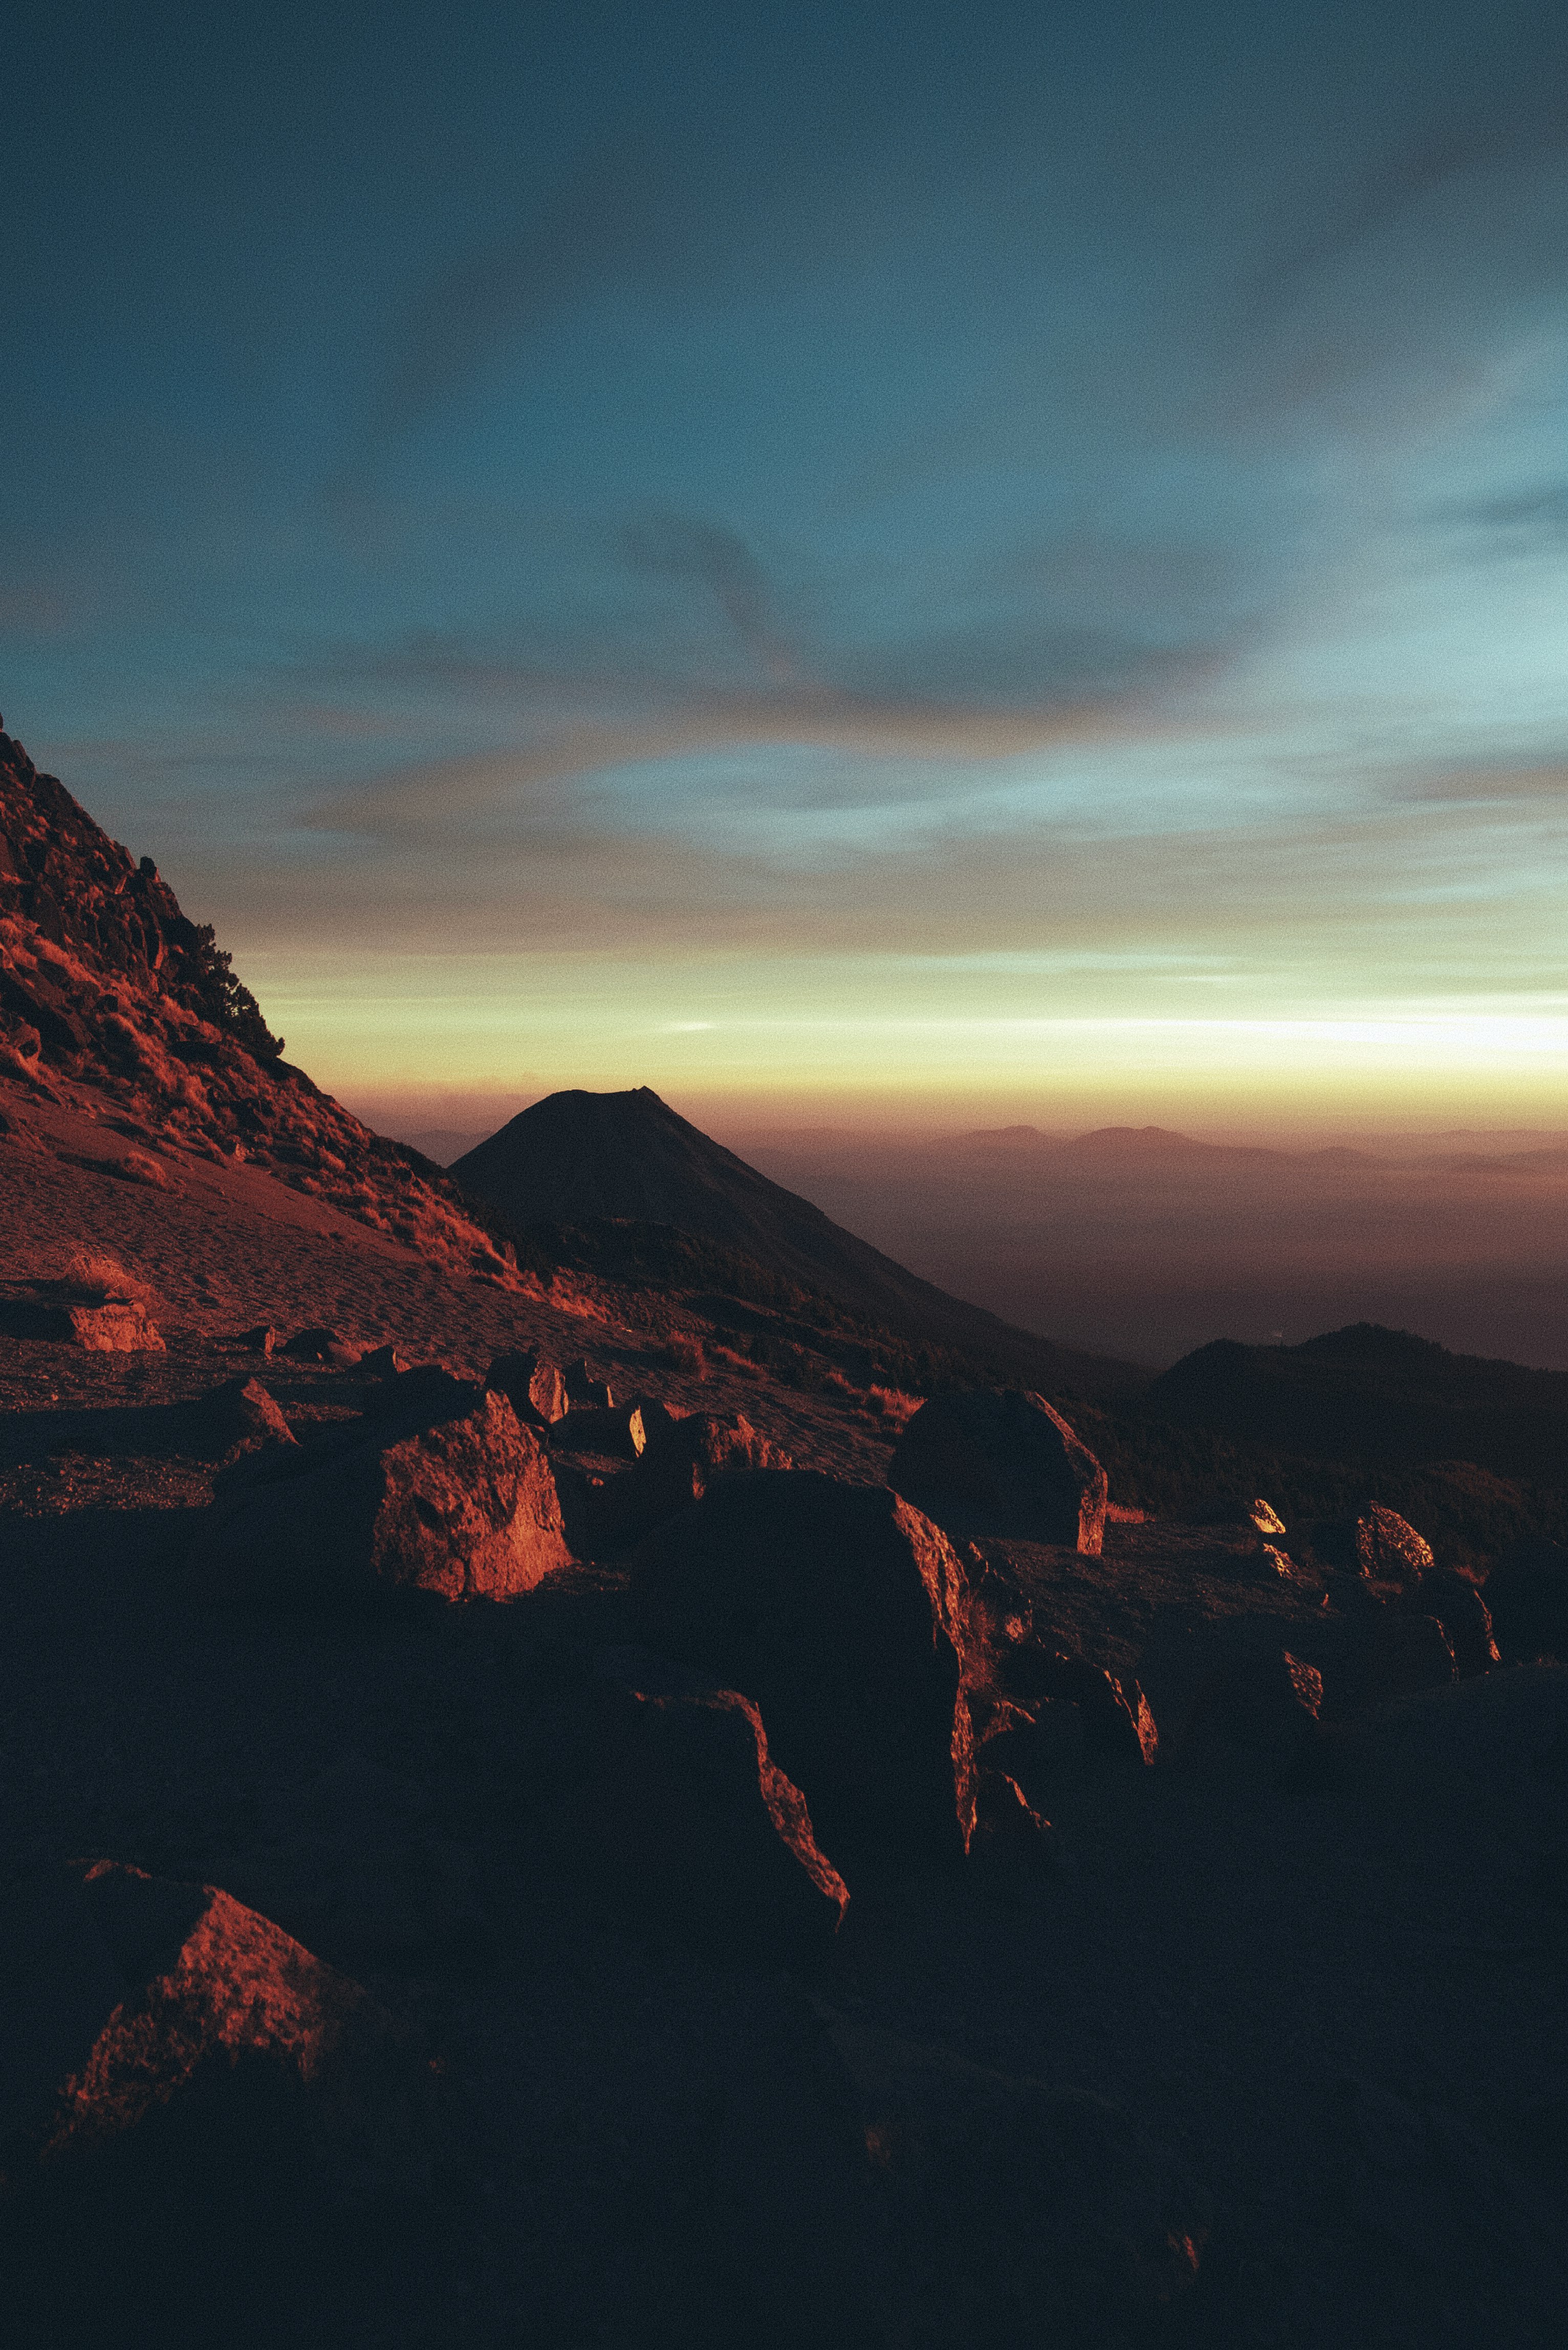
[(578, 1156)]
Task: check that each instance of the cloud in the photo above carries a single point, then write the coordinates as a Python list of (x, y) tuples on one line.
[(683, 546), (1515, 115), (1527, 514)]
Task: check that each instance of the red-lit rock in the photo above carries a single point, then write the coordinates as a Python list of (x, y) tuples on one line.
[(466, 1509)]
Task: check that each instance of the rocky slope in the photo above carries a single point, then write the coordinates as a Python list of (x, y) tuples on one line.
[(805, 1911), (103, 979)]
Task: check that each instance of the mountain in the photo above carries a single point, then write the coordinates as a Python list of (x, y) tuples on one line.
[(104, 980), (1374, 1395), (579, 1156)]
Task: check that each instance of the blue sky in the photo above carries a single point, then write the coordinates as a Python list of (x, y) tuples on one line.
[(841, 553)]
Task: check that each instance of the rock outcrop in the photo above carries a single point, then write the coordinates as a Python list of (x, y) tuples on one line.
[(677, 1811), (104, 978), (998, 1460), (840, 1611), (183, 2091), (465, 1508)]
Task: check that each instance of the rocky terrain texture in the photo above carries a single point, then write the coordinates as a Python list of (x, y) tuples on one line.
[(102, 974), (544, 1807)]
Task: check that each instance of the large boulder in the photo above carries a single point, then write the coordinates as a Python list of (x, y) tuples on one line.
[(117, 1327), (535, 1388), (1012, 2211), (237, 1416), (1000, 1460), (183, 2091), (840, 1611), (466, 1508), (675, 1808)]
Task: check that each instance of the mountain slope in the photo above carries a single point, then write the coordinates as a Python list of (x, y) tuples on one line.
[(1374, 1395), (578, 1155), (104, 979)]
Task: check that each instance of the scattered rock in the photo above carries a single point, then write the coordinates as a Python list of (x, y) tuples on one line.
[(465, 1508), (1001, 1460), (1388, 1549), (650, 1419), (1267, 1521), (1017, 2212), (839, 1610), (680, 1813), (239, 1414), (1007, 1828), (680, 1460), (185, 2089), (534, 1387), (1464, 1615), (118, 1327), (322, 1346)]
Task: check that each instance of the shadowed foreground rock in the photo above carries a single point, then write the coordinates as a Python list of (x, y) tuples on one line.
[(839, 1610), (183, 2093), (466, 1509), (679, 1813), (1015, 2212), (997, 1461)]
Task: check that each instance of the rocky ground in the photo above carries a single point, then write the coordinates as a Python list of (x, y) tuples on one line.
[(1262, 2042)]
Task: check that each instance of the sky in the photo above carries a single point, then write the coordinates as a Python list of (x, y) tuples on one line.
[(882, 562)]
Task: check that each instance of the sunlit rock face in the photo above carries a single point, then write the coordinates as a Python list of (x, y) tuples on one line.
[(104, 981)]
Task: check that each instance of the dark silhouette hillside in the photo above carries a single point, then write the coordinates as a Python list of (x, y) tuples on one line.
[(1367, 1394), (579, 1157)]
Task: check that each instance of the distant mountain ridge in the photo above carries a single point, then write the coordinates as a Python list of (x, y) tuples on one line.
[(1375, 1395), (578, 1155)]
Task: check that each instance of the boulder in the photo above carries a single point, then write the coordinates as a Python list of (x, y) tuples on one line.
[(1001, 1460), (1464, 1615), (1012, 2211), (679, 1813), (119, 1326), (1388, 1549), (318, 1345), (465, 1509), (259, 1341), (648, 1419), (1266, 1705), (839, 1610), (1012, 1672), (1527, 1592), (383, 1362), (535, 1388), (183, 2089), (238, 1416)]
